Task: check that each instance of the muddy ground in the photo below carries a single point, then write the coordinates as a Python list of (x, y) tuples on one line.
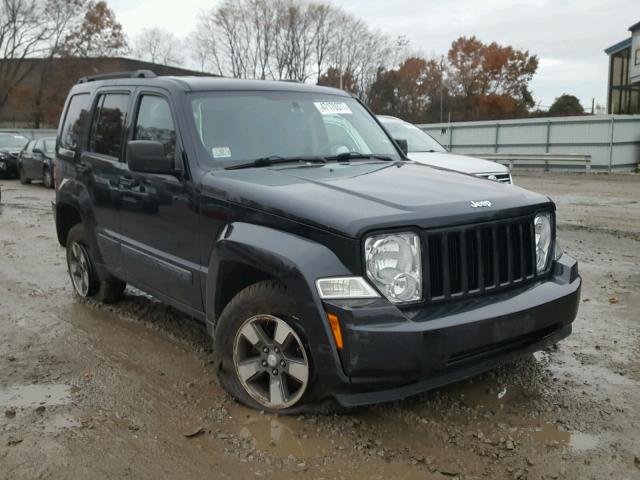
[(89, 391)]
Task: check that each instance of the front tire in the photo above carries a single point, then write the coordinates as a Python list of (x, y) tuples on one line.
[(24, 180), (47, 178), (265, 362), (86, 281)]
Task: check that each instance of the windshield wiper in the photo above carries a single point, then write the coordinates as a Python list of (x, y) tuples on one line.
[(346, 156), (275, 160)]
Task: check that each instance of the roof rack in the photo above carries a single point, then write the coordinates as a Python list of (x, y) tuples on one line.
[(115, 75)]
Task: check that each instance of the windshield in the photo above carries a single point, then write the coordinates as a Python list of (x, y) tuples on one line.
[(417, 140), (236, 127), (13, 141), (49, 145)]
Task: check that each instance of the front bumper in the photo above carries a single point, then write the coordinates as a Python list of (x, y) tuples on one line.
[(391, 354), (8, 165)]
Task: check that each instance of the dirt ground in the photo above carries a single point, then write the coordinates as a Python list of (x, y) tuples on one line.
[(128, 391)]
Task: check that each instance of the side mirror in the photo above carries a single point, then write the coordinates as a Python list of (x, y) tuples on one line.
[(147, 156), (402, 143)]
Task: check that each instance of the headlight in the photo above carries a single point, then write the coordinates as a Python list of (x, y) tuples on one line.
[(393, 265), (542, 225), (345, 287)]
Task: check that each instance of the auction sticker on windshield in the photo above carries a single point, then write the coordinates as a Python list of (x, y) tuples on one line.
[(221, 152), (332, 108)]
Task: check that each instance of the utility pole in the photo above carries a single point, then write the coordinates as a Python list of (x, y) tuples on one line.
[(442, 89), (593, 106)]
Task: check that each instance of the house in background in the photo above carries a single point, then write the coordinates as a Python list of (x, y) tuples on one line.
[(624, 74), (38, 100)]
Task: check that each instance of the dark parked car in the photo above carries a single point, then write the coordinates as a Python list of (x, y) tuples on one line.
[(321, 272), (35, 161), (10, 146)]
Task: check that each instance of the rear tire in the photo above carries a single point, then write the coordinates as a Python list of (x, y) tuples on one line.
[(265, 368), (85, 279), (24, 180)]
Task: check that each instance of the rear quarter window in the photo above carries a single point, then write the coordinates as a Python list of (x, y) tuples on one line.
[(75, 119)]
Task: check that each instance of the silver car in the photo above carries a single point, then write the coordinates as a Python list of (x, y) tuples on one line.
[(423, 148)]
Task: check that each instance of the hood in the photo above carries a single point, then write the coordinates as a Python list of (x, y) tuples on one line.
[(351, 199), (11, 151), (459, 163), (11, 154)]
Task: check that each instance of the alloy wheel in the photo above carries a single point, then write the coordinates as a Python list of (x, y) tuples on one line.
[(271, 361), (79, 268)]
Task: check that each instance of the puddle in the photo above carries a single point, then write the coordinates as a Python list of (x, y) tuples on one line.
[(35, 395), (281, 436), (61, 422), (485, 393), (548, 434)]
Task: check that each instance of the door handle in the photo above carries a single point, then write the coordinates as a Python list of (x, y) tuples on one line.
[(83, 167)]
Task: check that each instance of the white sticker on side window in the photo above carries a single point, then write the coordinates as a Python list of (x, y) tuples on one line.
[(221, 152), (332, 108)]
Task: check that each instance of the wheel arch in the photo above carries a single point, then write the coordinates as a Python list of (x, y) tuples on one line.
[(266, 253), (66, 217), (73, 205)]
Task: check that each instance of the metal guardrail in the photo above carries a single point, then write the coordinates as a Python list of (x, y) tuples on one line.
[(511, 159)]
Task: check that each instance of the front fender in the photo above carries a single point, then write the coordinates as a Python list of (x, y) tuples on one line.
[(293, 260)]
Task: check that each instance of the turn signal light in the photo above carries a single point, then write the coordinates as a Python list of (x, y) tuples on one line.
[(335, 329)]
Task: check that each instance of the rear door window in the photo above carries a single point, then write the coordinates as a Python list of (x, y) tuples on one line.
[(108, 124), (75, 119)]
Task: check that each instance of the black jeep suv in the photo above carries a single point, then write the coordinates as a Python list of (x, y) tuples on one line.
[(325, 264)]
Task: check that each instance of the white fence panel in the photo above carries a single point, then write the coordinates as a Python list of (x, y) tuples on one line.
[(613, 141)]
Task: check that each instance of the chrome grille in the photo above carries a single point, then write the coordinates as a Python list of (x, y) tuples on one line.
[(499, 177)]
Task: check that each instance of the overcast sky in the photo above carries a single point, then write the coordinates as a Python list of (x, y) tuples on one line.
[(568, 36)]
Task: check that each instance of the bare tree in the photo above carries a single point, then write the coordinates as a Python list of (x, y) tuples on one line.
[(289, 39), (158, 46)]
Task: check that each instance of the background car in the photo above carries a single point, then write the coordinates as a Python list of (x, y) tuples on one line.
[(35, 161), (423, 148), (10, 146)]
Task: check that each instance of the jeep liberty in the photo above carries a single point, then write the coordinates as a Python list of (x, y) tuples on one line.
[(327, 266)]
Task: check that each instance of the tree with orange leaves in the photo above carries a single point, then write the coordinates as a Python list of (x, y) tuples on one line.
[(99, 34), (489, 80), (413, 91)]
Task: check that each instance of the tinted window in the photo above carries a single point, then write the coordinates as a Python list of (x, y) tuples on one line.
[(108, 124), (77, 114), (241, 126), (155, 123)]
